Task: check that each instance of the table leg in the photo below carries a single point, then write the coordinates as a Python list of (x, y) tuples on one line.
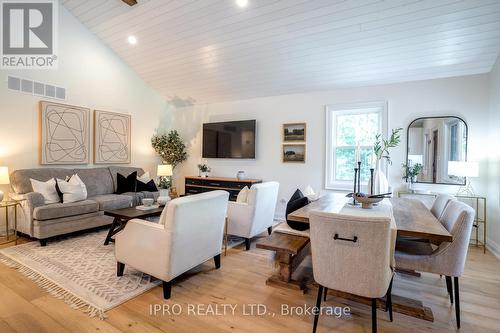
[(111, 229), (15, 223), (7, 221), (225, 238)]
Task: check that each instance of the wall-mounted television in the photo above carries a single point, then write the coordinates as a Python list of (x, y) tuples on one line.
[(230, 139)]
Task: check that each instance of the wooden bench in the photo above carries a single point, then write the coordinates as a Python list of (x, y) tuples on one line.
[(290, 251)]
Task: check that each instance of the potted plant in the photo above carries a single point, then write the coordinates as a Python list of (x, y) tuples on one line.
[(410, 173), (381, 149), (172, 150), (204, 170)]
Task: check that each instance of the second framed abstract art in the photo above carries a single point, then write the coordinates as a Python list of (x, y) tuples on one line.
[(112, 138)]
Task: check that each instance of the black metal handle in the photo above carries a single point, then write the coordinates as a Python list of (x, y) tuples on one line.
[(354, 240)]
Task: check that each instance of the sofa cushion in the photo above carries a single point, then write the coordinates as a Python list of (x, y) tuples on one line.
[(20, 179), (114, 170), (58, 210), (113, 201), (97, 180), (126, 183)]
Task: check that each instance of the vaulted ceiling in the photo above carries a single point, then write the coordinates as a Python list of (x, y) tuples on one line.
[(213, 50)]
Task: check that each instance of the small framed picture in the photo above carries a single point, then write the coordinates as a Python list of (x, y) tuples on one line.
[(294, 132), (294, 153)]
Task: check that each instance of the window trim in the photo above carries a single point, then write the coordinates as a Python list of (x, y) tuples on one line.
[(330, 143)]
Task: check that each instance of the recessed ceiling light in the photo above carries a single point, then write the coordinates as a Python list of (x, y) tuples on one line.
[(242, 3), (132, 40)]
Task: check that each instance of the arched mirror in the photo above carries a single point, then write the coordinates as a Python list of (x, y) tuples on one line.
[(437, 143)]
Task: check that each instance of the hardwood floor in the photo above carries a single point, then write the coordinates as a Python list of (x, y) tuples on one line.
[(24, 307)]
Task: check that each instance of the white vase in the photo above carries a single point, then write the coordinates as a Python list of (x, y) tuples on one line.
[(380, 183)]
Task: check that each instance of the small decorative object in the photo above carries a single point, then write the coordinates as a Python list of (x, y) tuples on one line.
[(204, 169), (410, 173), (310, 194), (112, 136), (148, 202), (294, 153), (367, 202), (64, 134), (4, 178), (294, 132), (241, 175), (381, 151), (467, 170), (164, 173)]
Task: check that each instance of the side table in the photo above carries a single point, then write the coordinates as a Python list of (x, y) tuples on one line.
[(6, 205)]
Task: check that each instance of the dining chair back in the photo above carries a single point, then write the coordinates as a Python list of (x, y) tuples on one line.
[(440, 204)]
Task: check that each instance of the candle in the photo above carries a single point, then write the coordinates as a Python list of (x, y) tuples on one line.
[(359, 177), (358, 153), (372, 160)]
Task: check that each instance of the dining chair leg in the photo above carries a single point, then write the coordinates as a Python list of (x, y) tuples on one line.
[(457, 301), (388, 300), (449, 287), (318, 304), (325, 293), (374, 315), (247, 244), (270, 230), (167, 289), (217, 261)]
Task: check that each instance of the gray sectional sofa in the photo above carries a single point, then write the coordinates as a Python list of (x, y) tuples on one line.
[(43, 221)]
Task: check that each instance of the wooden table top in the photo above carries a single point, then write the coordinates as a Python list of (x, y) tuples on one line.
[(411, 216), (134, 213)]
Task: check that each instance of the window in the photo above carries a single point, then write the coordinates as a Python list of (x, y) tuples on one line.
[(347, 127)]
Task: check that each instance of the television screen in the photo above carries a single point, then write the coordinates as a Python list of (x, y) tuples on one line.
[(231, 139)]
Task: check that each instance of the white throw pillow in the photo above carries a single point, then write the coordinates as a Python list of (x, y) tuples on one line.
[(73, 190), (47, 189), (243, 195), (144, 178)]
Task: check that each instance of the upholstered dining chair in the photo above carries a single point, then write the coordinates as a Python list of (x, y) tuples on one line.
[(448, 258), (254, 216), (440, 204), (353, 255), (189, 233)]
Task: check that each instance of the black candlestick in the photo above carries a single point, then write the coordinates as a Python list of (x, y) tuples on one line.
[(359, 177), (371, 180), (354, 191)]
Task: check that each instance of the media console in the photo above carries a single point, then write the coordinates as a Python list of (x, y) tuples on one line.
[(196, 185)]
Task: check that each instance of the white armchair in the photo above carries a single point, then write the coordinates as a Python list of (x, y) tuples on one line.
[(256, 215), (182, 240)]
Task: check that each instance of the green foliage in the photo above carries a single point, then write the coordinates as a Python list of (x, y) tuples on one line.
[(204, 167), (411, 171), (165, 182), (382, 146), (170, 147)]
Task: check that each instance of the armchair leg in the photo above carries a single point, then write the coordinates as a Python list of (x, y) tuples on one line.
[(457, 301), (325, 293), (374, 315), (217, 261), (120, 267), (247, 243), (449, 288), (167, 289), (43, 242), (318, 304), (270, 230)]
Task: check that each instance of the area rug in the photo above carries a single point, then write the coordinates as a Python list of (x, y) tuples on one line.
[(80, 270)]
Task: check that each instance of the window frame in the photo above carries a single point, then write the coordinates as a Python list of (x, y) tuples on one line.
[(331, 112)]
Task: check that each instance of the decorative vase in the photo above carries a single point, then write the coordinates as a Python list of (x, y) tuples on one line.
[(164, 192), (380, 183), (240, 175), (204, 174)]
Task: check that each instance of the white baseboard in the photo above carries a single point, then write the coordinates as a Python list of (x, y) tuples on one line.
[(493, 248)]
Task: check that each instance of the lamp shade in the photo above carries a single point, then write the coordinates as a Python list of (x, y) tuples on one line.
[(463, 169), (4, 175), (164, 170)]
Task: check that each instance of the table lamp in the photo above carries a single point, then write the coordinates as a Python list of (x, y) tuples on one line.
[(164, 170), (4, 178), (467, 170)]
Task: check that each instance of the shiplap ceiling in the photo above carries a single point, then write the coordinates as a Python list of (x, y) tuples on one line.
[(212, 50)]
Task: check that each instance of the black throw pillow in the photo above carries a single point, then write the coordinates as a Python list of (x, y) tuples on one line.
[(296, 201), (149, 186), (126, 184)]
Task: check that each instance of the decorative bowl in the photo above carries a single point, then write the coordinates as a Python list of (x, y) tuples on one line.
[(365, 201), (147, 202)]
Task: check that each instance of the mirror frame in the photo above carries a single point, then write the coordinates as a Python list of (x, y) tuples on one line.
[(438, 117)]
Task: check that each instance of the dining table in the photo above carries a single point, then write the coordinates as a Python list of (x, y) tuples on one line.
[(409, 218)]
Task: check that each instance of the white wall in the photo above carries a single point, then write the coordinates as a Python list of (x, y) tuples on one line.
[(494, 166), (94, 77), (466, 97)]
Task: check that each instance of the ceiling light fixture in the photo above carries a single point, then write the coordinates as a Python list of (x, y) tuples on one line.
[(242, 3), (132, 40)]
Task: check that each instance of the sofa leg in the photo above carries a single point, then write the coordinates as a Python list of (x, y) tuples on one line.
[(247, 243), (217, 261), (43, 242), (120, 267), (167, 289), (270, 230)]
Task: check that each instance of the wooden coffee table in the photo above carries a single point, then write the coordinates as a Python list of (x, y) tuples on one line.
[(122, 216)]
